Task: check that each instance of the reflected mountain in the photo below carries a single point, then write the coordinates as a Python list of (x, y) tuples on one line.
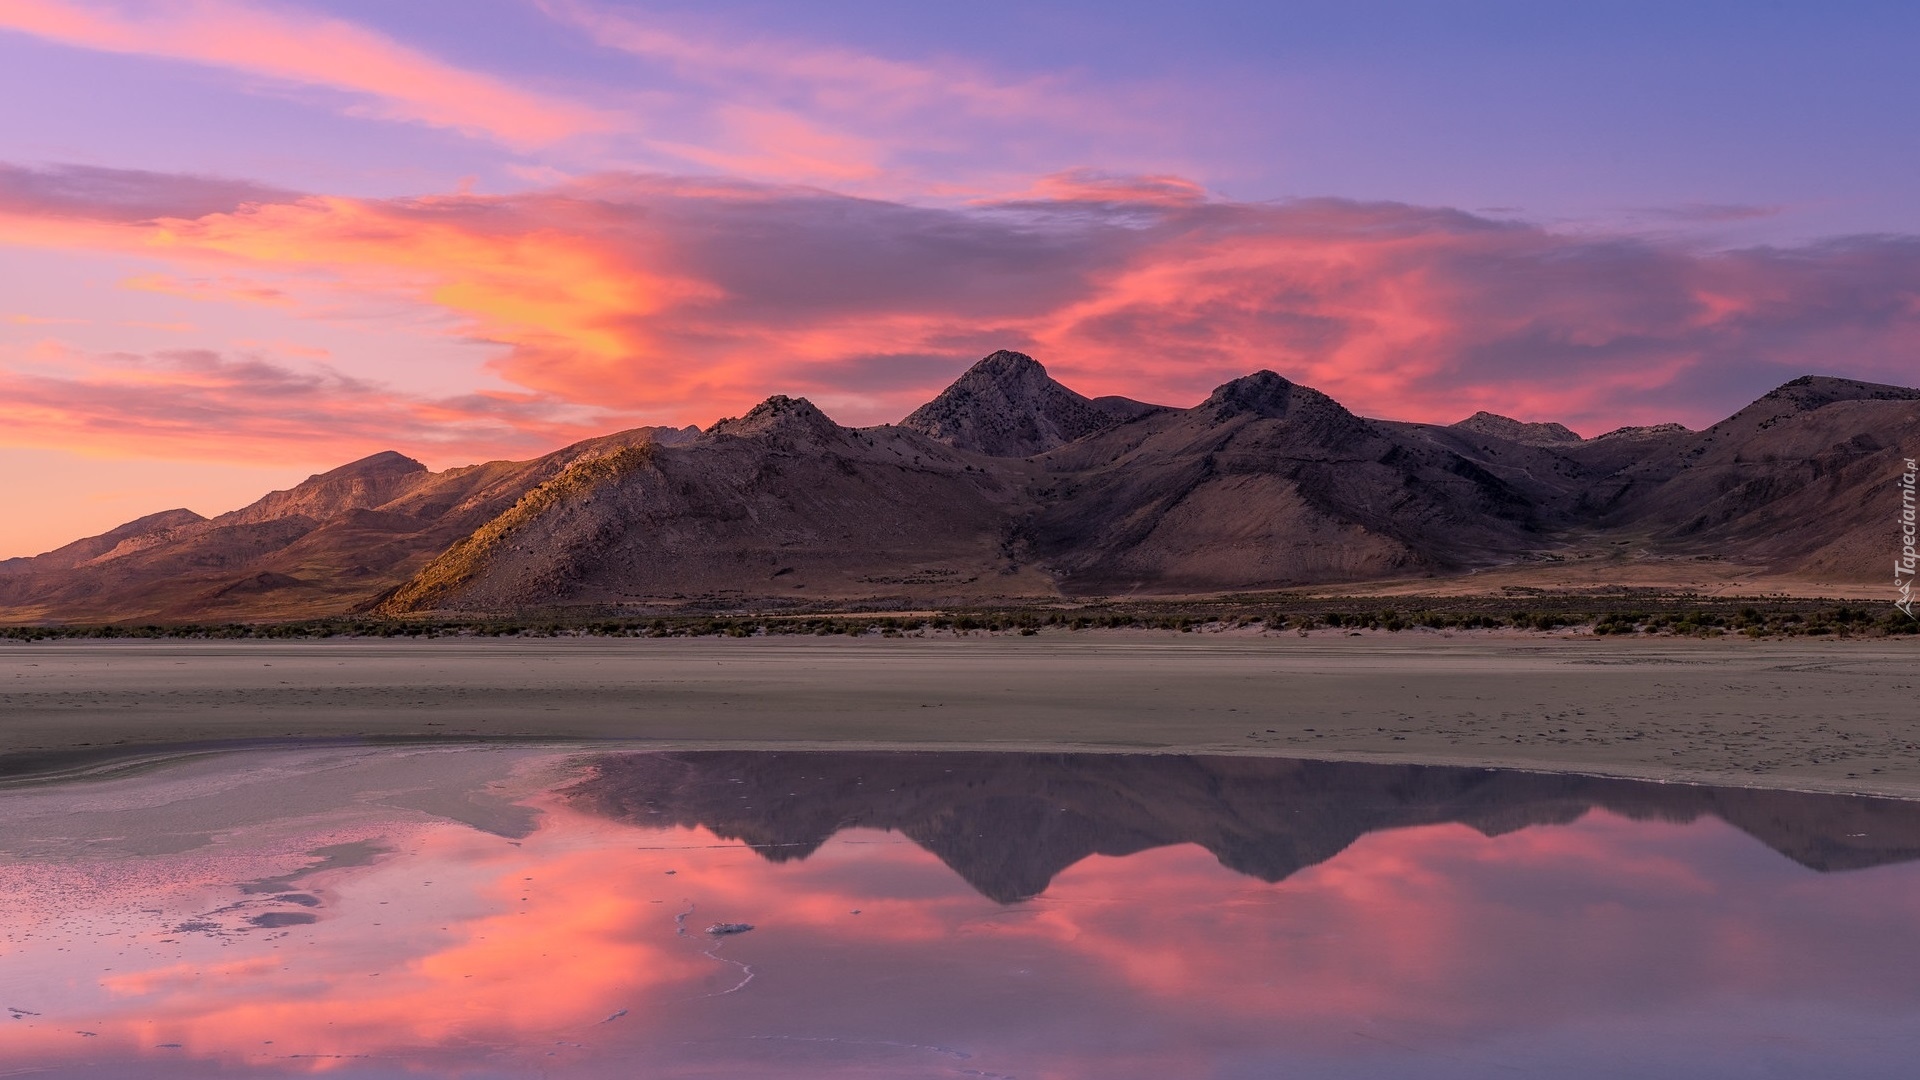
[(1007, 823)]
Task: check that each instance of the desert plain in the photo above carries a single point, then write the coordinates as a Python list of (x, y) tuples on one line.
[(1828, 715)]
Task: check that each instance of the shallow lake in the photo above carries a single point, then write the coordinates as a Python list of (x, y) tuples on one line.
[(530, 911)]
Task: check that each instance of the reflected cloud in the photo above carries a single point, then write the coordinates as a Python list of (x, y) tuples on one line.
[(1454, 915)]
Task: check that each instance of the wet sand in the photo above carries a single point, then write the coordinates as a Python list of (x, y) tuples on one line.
[(1822, 716)]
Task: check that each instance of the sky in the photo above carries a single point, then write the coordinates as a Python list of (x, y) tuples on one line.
[(245, 242)]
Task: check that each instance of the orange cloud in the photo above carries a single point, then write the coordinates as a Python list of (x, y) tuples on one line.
[(540, 278), (680, 300), (398, 83), (223, 288), (421, 975)]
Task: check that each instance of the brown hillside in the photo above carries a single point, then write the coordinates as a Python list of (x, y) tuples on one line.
[(1265, 483), (781, 503), (1012, 487)]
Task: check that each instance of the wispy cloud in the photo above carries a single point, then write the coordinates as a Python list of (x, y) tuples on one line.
[(1094, 186), (1707, 213), (827, 77), (86, 191), (385, 78), (723, 99), (192, 403), (795, 111)]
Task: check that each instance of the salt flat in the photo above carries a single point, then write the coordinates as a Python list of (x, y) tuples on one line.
[(1828, 715)]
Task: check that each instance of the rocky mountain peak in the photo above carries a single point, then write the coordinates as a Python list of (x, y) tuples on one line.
[(779, 415), (1520, 431), (1647, 431), (151, 527), (160, 522), (1262, 392), (1008, 406), (1807, 394), (1265, 394), (358, 485), (1009, 367), (386, 463)]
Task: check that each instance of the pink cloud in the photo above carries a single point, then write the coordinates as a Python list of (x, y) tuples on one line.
[(1093, 186), (681, 300), (225, 288), (828, 78), (397, 83), (796, 111), (772, 142)]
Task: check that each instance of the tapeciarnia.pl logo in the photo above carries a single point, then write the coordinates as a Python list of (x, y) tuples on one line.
[(1904, 566)]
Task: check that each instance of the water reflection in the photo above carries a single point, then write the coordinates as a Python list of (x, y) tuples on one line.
[(490, 912), (1008, 823)]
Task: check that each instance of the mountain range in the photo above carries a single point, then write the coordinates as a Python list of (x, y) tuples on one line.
[(1009, 486), (1007, 823)]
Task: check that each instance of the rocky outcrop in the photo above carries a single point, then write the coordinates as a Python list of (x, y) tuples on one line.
[(1007, 406)]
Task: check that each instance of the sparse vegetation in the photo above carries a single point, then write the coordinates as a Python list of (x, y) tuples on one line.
[(1671, 617)]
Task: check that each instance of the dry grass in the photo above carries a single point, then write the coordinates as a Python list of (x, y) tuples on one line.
[(464, 561)]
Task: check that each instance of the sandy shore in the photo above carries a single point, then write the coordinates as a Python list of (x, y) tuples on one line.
[(1829, 716)]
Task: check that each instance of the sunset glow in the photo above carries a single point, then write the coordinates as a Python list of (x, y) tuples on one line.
[(292, 234)]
